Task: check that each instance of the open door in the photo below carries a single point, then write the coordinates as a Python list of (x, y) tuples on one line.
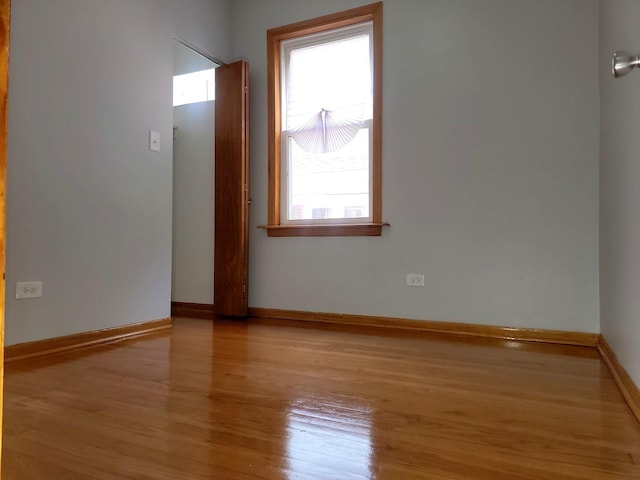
[(231, 237), (4, 81)]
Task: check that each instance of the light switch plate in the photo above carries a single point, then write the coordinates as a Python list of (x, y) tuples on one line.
[(154, 141)]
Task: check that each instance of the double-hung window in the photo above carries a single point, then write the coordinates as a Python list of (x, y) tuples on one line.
[(325, 125)]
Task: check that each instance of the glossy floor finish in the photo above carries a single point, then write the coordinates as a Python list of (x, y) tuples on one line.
[(231, 400)]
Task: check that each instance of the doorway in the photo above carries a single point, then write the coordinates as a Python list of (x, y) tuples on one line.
[(193, 177)]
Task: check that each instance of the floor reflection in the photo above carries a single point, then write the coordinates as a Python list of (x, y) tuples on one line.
[(240, 401), (325, 435)]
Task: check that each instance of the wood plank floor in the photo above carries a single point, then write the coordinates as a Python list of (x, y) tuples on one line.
[(231, 400)]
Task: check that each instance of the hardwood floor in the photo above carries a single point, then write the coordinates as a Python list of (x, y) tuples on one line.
[(231, 400)]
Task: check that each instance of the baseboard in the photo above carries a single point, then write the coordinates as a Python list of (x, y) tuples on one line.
[(625, 383), (192, 310), (460, 329), (50, 346)]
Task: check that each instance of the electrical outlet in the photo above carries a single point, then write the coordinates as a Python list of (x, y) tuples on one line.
[(28, 289), (415, 280)]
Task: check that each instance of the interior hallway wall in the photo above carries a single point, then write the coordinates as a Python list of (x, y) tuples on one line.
[(193, 203)]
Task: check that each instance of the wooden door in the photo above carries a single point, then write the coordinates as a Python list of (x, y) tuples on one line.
[(231, 235), (4, 74)]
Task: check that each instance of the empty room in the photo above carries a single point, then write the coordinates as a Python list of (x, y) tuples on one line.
[(303, 239)]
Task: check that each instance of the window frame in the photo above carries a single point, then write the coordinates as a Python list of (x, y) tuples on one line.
[(275, 227), (287, 182)]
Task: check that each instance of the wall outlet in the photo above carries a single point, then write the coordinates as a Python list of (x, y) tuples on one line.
[(28, 289), (415, 280)]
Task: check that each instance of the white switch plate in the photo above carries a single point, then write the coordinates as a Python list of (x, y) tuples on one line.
[(415, 280), (154, 141), (28, 289)]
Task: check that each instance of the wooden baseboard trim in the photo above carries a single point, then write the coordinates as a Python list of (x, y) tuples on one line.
[(77, 341), (460, 329), (192, 310), (625, 383)]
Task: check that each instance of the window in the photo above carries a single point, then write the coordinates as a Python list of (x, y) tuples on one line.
[(194, 87), (325, 125)]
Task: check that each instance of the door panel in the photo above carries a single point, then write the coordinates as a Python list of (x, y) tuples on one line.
[(231, 190), (4, 73)]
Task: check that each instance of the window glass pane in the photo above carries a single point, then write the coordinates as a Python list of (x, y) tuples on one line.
[(328, 105), (194, 87), (332, 76), (330, 185)]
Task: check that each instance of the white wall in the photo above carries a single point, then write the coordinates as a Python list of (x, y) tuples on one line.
[(489, 177), (89, 206), (186, 60), (193, 203), (201, 23), (619, 180), (490, 164)]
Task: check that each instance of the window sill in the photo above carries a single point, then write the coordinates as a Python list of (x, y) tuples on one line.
[(334, 230)]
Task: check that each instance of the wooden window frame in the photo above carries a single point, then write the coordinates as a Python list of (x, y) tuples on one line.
[(275, 36)]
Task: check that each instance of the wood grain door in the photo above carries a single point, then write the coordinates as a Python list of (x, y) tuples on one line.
[(231, 235), (4, 74)]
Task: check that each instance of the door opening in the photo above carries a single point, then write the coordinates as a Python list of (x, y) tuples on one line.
[(193, 176)]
